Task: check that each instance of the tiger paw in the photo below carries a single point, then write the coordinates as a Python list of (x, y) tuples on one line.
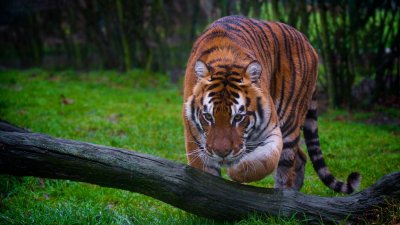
[(246, 172), (236, 173)]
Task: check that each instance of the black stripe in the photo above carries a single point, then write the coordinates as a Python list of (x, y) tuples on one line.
[(260, 110), (214, 78), (237, 66), (234, 87), (294, 127), (224, 66), (338, 186), (352, 177), (192, 109), (312, 114), (281, 102), (217, 33), (276, 43), (319, 164), (199, 126), (238, 80), (304, 82), (303, 54), (238, 33), (214, 61), (261, 131), (247, 33), (328, 179), (254, 34), (234, 75), (214, 34), (286, 125), (208, 51), (350, 189), (286, 163), (311, 143), (192, 135), (213, 99), (193, 112), (270, 135), (230, 28), (251, 33), (211, 94), (288, 45), (296, 104), (251, 114), (263, 39), (236, 95), (313, 151), (309, 134), (248, 101), (291, 144), (314, 96), (213, 86)]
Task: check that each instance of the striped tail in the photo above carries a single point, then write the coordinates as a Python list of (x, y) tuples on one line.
[(314, 150)]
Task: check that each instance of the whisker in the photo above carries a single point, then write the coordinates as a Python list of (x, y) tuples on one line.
[(195, 152)]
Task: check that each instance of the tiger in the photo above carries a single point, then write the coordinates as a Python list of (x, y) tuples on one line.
[(250, 88)]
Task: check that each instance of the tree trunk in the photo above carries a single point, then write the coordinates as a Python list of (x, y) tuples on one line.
[(33, 154), (124, 40), (327, 52)]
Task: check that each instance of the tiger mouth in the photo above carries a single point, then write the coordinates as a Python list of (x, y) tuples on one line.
[(230, 162), (225, 161)]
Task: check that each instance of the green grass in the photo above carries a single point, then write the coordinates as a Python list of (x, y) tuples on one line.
[(142, 112)]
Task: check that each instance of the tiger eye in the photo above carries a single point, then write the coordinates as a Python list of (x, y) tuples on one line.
[(207, 116), (238, 117)]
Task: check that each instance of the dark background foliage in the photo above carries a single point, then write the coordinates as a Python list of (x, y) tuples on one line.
[(358, 41)]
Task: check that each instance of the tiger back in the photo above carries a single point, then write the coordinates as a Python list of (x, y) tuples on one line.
[(250, 88)]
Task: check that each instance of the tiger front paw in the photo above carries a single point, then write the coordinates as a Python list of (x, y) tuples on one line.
[(246, 172)]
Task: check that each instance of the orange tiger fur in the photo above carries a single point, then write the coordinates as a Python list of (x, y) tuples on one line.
[(249, 89)]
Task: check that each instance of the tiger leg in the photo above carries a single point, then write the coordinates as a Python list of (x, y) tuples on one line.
[(254, 167), (300, 165), (259, 163), (290, 172)]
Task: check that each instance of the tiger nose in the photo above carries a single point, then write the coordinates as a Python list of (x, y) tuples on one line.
[(223, 153), (222, 146), (218, 151)]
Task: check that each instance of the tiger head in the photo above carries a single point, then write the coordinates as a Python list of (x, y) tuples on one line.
[(228, 109)]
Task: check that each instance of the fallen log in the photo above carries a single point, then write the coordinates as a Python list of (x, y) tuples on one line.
[(32, 154)]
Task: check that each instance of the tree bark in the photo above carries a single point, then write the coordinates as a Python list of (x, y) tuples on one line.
[(33, 154)]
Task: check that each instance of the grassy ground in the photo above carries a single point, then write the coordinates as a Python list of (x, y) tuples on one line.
[(141, 112)]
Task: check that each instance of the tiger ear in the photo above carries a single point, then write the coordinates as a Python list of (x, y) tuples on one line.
[(200, 69), (254, 71)]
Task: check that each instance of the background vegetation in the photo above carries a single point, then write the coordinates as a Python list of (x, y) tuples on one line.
[(358, 41), (109, 109), (110, 72)]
